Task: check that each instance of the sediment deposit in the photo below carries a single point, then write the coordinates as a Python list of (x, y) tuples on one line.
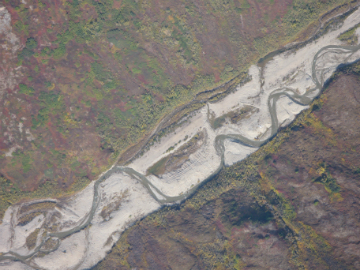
[(78, 231)]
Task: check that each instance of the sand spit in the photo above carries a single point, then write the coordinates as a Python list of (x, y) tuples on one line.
[(78, 231)]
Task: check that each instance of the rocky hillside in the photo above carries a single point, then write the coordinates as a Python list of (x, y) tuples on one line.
[(83, 80), (294, 204)]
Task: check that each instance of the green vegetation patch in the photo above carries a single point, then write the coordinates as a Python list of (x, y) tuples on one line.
[(37, 206), (27, 90), (23, 158), (327, 180), (174, 160), (100, 73), (350, 36), (28, 51), (31, 239), (158, 168), (233, 116), (51, 103)]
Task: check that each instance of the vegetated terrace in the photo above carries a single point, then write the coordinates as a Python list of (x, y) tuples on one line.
[(87, 79)]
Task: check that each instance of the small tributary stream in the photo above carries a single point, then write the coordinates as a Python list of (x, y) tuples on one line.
[(218, 144)]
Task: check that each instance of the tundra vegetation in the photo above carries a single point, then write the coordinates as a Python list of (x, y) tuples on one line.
[(293, 204), (97, 76)]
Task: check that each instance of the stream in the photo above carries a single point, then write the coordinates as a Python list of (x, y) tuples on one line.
[(318, 77)]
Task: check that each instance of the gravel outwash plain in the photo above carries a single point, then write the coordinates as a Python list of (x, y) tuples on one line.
[(78, 231)]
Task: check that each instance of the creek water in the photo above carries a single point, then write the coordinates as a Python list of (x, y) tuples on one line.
[(318, 78)]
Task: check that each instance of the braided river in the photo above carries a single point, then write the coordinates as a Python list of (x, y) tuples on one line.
[(78, 231)]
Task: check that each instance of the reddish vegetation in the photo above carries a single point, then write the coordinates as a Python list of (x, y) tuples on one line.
[(117, 4), (203, 40), (142, 79), (300, 212), (326, 199)]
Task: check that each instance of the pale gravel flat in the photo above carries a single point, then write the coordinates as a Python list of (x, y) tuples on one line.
[(88, 246)]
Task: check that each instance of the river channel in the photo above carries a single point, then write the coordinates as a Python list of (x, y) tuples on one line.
[(319, 74)]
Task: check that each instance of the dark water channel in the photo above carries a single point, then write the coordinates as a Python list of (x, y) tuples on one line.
[(304, 100)]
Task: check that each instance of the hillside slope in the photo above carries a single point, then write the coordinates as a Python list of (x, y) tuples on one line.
[(294, 204), (81, 81)]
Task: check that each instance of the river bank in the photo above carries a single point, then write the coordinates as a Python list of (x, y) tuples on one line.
[(278, 91)]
